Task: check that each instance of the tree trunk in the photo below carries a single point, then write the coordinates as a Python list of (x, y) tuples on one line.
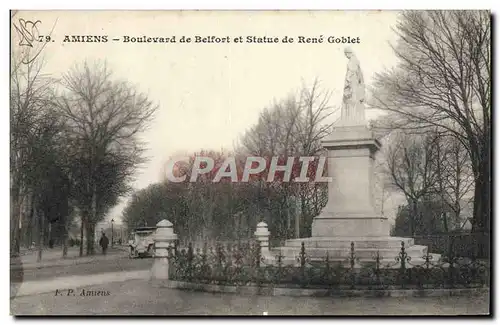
[(92, 239), (40, 232), (316, 205), (288, 221), (65, 244), (87, 238), (413, 217), (15, 233), (81, 235), (482, 196), (91, 225), (65, 237), (50, 235), (482, 213), (89, 228), (32, 224), (445, 222), (303, 213)]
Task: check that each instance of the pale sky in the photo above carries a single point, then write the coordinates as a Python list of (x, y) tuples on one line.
[(209, 94)]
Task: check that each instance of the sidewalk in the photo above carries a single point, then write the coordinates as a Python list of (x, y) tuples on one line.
[(73, 282), (139, 297), (51, 258)]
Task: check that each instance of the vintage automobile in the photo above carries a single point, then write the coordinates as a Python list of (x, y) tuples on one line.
[(142, 242)]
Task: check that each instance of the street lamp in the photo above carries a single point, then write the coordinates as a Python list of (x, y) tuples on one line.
[(112, 221)]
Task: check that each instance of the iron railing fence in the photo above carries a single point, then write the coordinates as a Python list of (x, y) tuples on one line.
[(243, 264)]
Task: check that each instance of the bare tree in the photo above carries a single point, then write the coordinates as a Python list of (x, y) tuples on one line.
[(290, 128), (30, 115), (381, 184), (103, 118), (273, 136), (444, 80), (454, 178), (409, 168), (314, 124)]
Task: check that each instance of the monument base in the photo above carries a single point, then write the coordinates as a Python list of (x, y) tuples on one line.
[(349, 218), (338, 249), (360, 226)]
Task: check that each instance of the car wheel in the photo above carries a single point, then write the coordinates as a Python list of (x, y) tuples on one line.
[(151, 251)]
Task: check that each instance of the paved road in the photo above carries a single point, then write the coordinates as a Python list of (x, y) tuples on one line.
[(139, 297), (121, 264), (48, 254), (65, 283)]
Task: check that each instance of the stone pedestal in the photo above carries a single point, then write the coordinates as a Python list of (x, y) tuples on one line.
[(262, 236), (164, 240), (350, 209), (350, 215)]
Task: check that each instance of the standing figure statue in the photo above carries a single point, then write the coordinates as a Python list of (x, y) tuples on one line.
[(353, 107)]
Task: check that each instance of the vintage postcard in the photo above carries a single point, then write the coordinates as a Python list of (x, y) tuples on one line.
[(266, 163)]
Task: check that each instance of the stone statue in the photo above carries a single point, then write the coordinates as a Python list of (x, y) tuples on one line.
[(353, 107)]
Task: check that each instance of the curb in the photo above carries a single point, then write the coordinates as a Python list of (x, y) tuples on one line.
[(298, 292), (70, 262)]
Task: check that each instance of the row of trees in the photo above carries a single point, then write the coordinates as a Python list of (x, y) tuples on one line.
[(74, 147), (224, 210), (434, 173)]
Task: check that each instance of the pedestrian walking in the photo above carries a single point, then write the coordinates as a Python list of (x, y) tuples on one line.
[(104, 243)]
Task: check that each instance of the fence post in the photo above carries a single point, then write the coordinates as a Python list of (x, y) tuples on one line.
[(403, 256), (302, 260), (164, 239), (262, 236)]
